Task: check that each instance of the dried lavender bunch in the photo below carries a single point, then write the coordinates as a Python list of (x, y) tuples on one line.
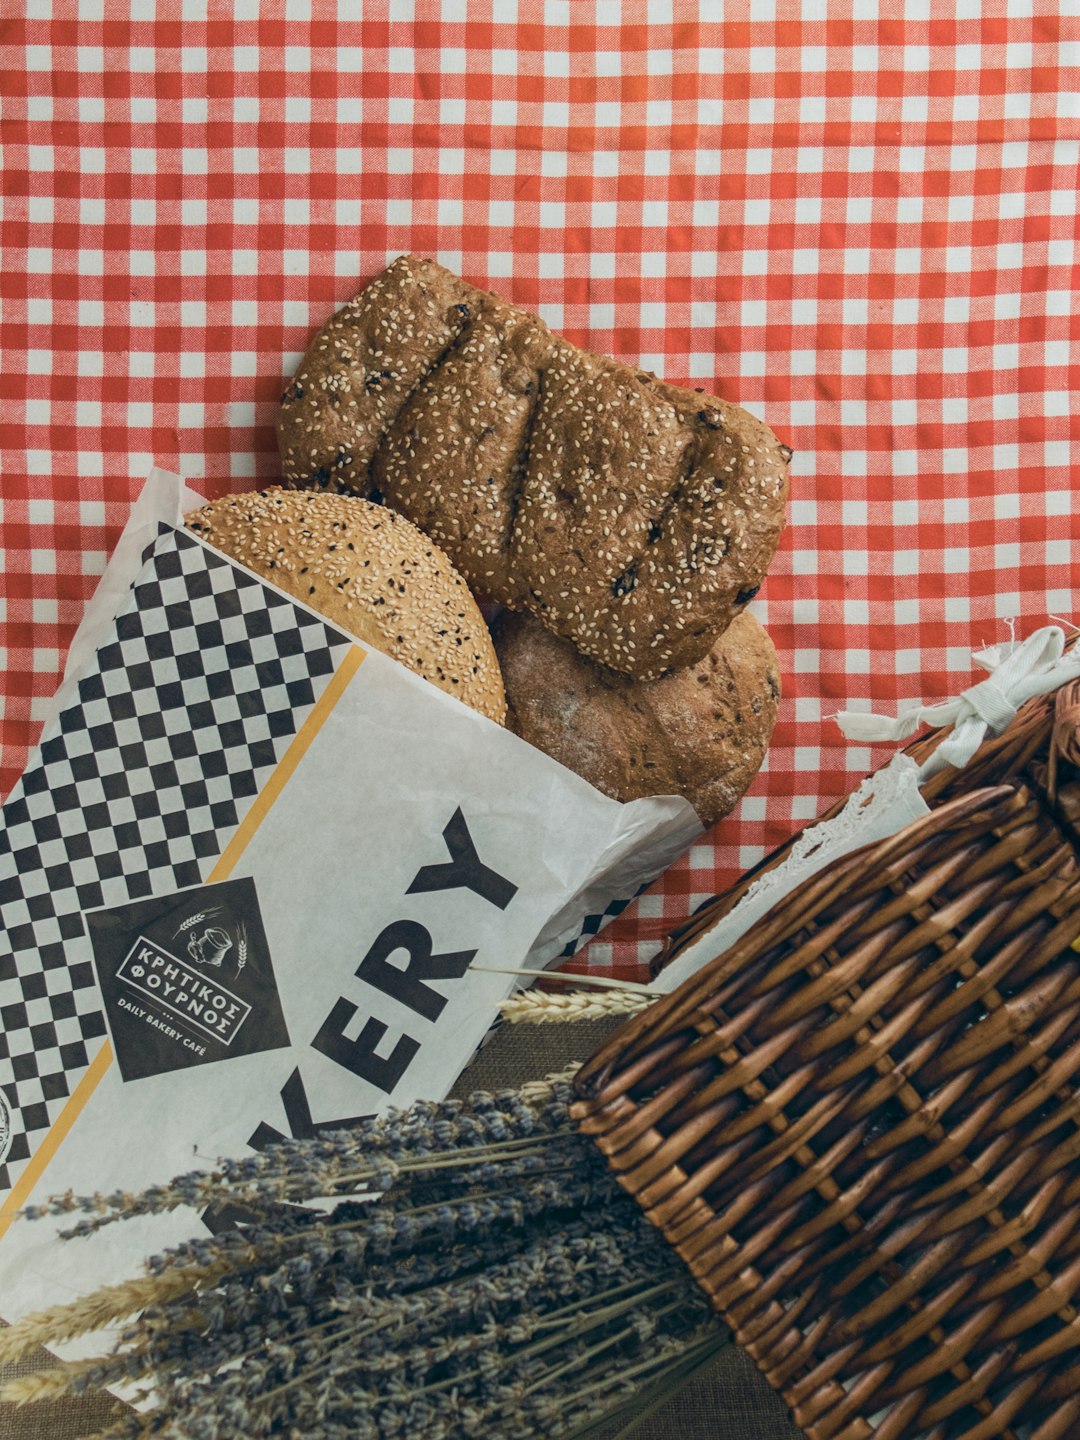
[(480, 1273)]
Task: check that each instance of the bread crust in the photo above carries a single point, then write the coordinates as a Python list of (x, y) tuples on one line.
[(630, 516), (370, 572), (701, 732)]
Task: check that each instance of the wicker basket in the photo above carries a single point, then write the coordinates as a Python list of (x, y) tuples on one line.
[(860, 1126)]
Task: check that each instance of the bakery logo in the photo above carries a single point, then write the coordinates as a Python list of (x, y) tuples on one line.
[(187, 979), (158, 976), (5, 1128)]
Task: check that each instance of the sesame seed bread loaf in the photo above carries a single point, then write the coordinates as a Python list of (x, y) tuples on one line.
[(370, 572), (632, 517), (701, 732)]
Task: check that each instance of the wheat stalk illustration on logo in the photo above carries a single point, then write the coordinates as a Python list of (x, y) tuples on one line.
[(211, 946), (194, 919)]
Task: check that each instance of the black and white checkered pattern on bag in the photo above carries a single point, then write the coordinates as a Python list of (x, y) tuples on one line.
[(135, 790), (592, 925)]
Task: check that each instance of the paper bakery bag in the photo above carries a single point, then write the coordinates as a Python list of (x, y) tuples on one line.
[(246, 885)]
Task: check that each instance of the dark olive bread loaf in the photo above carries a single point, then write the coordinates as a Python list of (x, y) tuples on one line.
[(632, 517), (701, 732), (370, 572)]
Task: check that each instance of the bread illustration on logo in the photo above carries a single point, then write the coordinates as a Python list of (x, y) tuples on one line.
[(211, 947)]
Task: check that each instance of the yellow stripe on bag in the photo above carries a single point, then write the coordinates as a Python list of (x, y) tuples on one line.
[(58, 1133), (260, 808)]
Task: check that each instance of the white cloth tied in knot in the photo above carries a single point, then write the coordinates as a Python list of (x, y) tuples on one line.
[(1018, 670)]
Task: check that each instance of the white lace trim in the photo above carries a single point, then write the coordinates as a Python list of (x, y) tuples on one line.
[(884, 803), (889, 799)]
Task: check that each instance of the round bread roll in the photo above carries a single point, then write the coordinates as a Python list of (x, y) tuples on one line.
[(701, 732), (370, 572)]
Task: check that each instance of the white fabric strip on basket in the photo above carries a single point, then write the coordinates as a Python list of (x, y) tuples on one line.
[(890, 798), (1018, 671)]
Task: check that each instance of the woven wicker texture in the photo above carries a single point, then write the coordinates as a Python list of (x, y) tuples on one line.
[(859, 1125)]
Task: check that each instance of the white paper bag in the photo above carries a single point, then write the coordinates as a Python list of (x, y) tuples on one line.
[(245, 885)]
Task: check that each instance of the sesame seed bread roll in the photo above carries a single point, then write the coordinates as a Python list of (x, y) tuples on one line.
[(632, 517), (369, 572), (701, 732), (360, 369)]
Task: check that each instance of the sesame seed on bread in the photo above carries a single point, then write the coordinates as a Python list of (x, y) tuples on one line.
[(370, 572), (632, 517)]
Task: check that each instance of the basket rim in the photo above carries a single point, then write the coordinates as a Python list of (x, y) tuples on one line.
[(1009, 750), (674, 1011)]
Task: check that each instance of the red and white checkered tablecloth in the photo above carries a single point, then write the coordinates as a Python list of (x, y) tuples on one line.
[(862, 227)]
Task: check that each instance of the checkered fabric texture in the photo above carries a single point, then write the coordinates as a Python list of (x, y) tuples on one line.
[(862, 227), (137, 787)]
